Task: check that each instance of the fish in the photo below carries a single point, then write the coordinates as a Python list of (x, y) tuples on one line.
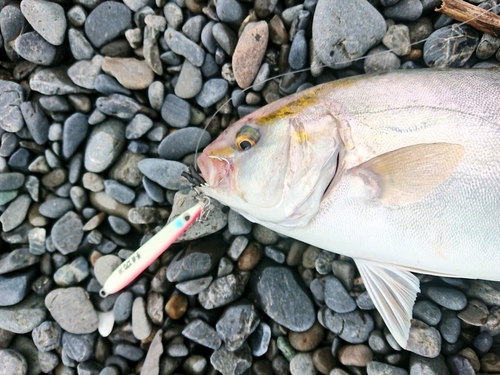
[(398, 170)]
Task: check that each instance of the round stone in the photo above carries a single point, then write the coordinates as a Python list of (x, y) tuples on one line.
[(105, 143)]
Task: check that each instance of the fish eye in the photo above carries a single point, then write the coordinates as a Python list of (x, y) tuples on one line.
[(247, 137)]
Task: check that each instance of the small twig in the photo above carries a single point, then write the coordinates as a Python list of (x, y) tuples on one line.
[(472, 15)]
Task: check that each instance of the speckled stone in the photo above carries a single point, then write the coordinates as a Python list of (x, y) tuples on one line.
[(105, 143), (47, 18), (24, 316)]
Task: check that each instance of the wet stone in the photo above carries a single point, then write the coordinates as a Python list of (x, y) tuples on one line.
[(15, 214), (336, 296), (237, 323), (183, 46), (107, 21), (47, 18), (176, 111), (32, 47), (166, 173), (202, 333), (67, 233), (72, 273), (357, 26), (47, 336), (78, 347), (452, 299), (232, 363), (72, 310), (24, 316), (105, 143), (182, 142), (450, 46), (12, 362), (427, 312), (280, 293)]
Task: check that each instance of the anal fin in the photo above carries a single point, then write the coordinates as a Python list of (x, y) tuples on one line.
[(393, 291)]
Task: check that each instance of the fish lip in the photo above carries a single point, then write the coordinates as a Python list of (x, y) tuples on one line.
[(214, 169)]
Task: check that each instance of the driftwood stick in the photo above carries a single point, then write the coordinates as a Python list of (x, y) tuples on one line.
[(474, 16)]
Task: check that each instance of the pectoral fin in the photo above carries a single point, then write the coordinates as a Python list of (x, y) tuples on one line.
[(393, 292), (408, 174)]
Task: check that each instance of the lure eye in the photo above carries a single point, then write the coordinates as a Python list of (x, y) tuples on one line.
[(247, 137)]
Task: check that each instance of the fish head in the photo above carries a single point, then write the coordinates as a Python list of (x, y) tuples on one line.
[(274, 165)]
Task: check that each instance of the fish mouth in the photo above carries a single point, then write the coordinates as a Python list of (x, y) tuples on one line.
[(213, 169)]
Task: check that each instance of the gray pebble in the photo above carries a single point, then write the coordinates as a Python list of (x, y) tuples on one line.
[(423, 340), (11, 180), (153, 190), (78, 347), (483, 343), (152, 361), (47, 18), (84, 73), (80, 47), (202, 333), (12, 362), (105, 143), (121, 193), (353, 327), (232, 363), (74, 132), (225, 37), (476, 313), (20, 160), (189, 82), (175, 111), (265, 235), (55, 207), (23, 317), (13, 287), (107, 21), (344, 31), (32, 47), (47, 336), (193, 287), (176, 348), (156, 94), (378, 343), (225, 267), (231, 12), (452, 299), (141, 326), (237, 322), (297, 58), (213, 90), (183, 46), (54, 81), (12, 24), (9, 144), (128, 351), (428, 366), (380, 368), (237, 224), (427, 312), (118, 105), (379, 59), (15, 214), (336, 296), (158, 23), (77, 15), (123, 307), (11, 97), (450, 46), (223, 291), (17, 259), (166, 173), (138, 127), (37, 123), (404, 10), (67, 233), (182, 142), (193, 26), (108, 85), (397, 39), (274, 254), (487, 46), (72, 273), (291, 82), (119, 225), (237, 247), (302, 364), (279, 292), (48, 361), (210, 69), (173, 15)]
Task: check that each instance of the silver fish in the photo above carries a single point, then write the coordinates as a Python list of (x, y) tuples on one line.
[(400, 171)]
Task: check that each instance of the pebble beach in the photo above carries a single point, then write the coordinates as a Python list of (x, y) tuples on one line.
[(103, 105)]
